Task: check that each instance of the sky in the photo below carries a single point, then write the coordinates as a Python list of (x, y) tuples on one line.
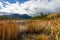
[(30, 7)]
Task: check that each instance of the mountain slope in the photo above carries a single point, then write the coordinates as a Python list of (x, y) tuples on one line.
[(18, 16), (15, 16), (55, 15)]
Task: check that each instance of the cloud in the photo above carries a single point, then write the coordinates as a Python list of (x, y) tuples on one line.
[(1, 5), (31, 7)]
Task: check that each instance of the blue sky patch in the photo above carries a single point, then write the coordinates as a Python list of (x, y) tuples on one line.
[(14, 1)]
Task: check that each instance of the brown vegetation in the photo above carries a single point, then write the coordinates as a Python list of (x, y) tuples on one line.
[(32, 29), (8, 30), (46, 27)]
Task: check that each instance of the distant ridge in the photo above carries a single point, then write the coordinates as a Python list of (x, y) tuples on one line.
[(24, 16), (14, 15)]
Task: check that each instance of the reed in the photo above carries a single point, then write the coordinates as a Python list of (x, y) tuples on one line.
[(8, 30)]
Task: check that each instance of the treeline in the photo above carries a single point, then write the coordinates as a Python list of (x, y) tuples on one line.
[(8, 18), (43, 16)]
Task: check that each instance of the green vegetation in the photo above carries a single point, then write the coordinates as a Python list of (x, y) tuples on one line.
[(43, 16), (9, 18)]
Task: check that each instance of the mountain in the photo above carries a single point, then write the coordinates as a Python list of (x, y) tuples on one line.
[(25, 16), (17, 16), (5, 15)]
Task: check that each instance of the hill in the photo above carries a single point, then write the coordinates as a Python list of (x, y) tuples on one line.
[(15, 16), (47, 16)]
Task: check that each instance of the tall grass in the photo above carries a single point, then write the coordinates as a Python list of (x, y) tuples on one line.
[(8, 30), (46, 27), (30, 30)]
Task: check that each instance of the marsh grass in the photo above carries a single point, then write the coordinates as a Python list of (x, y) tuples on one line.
[(8, 30), (51, 28), (32, 30)]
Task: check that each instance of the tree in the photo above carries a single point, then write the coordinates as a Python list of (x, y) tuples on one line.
[(41, 14)]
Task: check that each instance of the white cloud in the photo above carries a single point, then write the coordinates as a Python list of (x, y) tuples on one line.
[(1, 5), (32, 7)]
